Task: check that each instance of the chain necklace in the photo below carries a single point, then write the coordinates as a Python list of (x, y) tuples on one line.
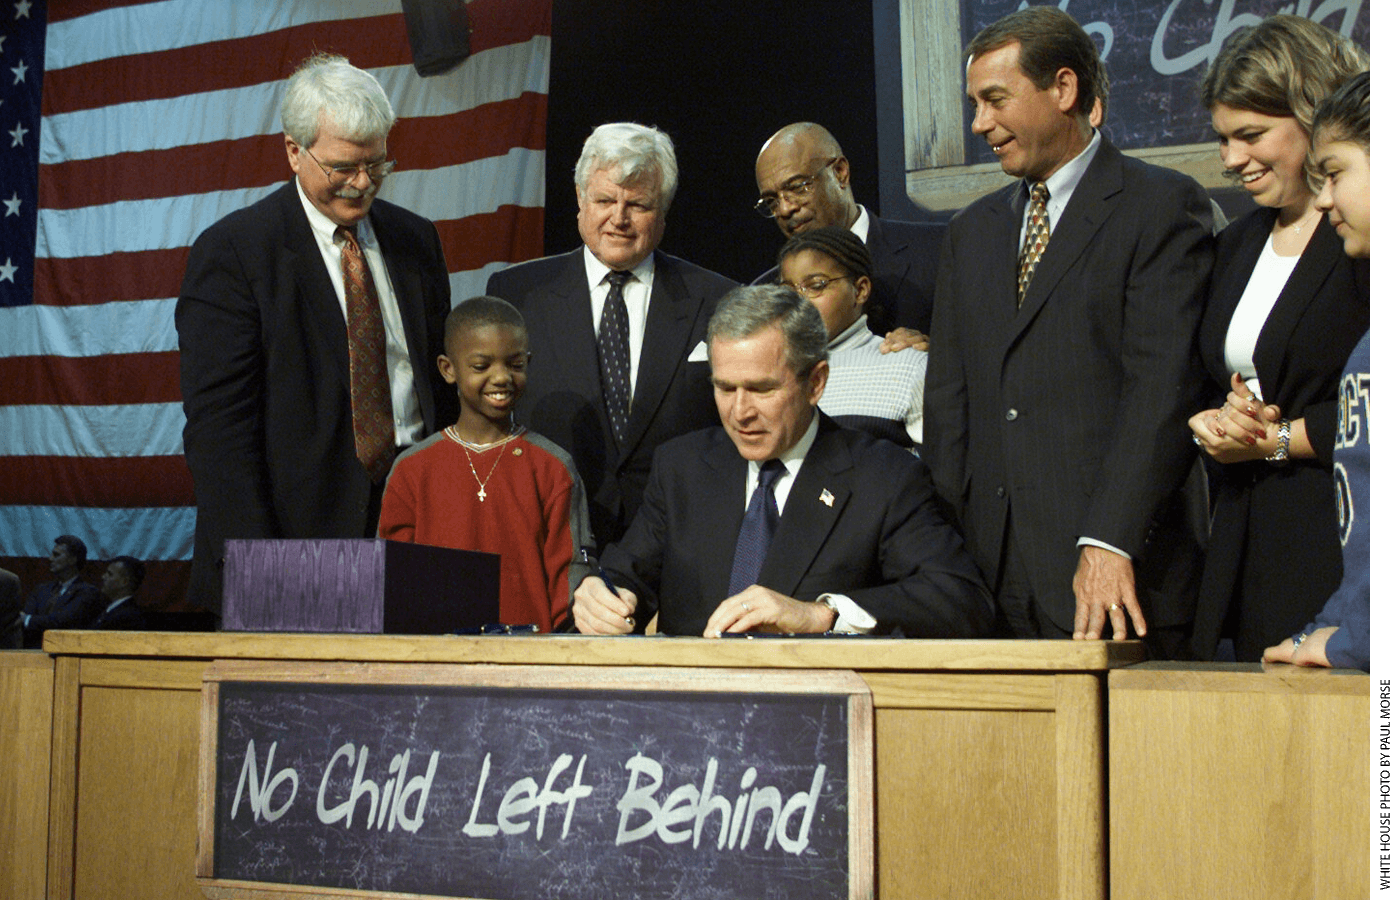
[(469, 448)]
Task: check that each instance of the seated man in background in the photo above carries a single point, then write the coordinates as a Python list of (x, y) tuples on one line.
[(65, 602), (856, 541), (120, 583)]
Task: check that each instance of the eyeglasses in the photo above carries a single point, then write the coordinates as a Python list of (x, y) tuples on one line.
[(793, 192), (338, 175), (814, 287)]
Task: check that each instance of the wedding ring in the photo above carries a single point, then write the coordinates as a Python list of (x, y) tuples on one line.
[(1113, 606), (1197, 439), (745, 605)]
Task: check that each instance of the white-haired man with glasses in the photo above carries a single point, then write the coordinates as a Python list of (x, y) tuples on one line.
[(310, 324)]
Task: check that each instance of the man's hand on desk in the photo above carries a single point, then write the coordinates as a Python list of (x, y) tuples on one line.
[(757, 608), (597, 610)]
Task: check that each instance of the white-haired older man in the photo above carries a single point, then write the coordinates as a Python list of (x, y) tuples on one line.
[(310, 324), (617, 328)]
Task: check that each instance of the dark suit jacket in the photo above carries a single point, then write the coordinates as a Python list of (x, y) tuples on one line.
[(1070, 413), (1273, 553), (564, 397), (126, 617), (53, 606), (880, 540), (264, 370), (11, 635), (904, 263)]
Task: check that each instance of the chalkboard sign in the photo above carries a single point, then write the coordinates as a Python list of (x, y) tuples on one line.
[(509, 782), (1156, 52)]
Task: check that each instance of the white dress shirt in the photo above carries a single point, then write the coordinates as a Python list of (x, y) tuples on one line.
[(636, 296), (408, 418)]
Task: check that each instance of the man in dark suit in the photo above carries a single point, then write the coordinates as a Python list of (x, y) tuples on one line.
[(11, 609), (65, 602), (616, 327), (1061, 358), (310, 324), (804, 182), (782, 520), (120, 583)]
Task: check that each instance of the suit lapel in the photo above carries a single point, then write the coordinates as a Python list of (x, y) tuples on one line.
[(998, 234), (571, 347), (407, 283), (719, 504), (813, 508), (1319, 258), (1094, 199), (882, 247), (1231, 282), (325, 318), (671, 315)]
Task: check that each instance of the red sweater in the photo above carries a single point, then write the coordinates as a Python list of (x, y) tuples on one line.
[(535, 517)]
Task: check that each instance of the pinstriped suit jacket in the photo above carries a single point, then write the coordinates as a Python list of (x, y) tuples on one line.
[(1070, 413)]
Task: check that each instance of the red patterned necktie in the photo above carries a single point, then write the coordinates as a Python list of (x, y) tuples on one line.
[(1037, 236), (370, 400)]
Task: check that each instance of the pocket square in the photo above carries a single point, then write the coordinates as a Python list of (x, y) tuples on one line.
[(701, 353)]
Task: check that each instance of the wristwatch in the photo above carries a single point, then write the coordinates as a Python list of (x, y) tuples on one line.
[(1280, 454)]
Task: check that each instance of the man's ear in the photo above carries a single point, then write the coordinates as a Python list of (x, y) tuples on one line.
[(816, 381), (1066, 90)]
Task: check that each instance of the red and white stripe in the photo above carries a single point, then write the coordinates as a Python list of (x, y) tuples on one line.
[(158, 119)]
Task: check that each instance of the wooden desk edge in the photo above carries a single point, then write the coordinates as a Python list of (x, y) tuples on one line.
[(1238, 678), (801, 653)]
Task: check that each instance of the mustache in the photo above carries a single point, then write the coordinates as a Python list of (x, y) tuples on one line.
[(352, 193)]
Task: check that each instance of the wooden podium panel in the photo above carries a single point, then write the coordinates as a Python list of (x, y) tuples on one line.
[(26, 716), (1238, 780), (975, 741)]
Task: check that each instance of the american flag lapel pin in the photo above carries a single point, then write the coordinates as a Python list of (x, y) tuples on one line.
[(827, 498)]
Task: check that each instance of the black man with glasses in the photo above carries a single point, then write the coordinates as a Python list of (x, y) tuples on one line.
[(804, 182), (309, 325)]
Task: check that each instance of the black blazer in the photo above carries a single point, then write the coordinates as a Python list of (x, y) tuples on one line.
[(904, 266), (264, 371), (1274, 556), (564, 396), (860, 520), (1069, 413)]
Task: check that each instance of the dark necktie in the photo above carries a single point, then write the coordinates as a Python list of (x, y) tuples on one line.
[(1037, 236), (371, 405), (760, 521), (615, 354)]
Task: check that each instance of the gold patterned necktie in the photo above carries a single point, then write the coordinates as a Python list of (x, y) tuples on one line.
[(371, 405), (1037, 236)]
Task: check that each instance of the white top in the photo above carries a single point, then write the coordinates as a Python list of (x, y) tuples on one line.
[(636, 296), (408, 418), (1271, 273)]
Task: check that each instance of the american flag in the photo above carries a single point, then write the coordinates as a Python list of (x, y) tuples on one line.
[(126, 128)]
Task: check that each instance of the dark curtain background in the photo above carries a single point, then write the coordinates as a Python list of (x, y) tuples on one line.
[(719, 85)]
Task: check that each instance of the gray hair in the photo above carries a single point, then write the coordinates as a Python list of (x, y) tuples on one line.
[(635, 151), (326, 89), (748, 310)]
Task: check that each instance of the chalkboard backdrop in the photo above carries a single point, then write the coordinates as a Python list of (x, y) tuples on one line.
[(530, 792)]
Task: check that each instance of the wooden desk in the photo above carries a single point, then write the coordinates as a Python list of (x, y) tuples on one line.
[(26, 725), (1236, 780), (989, 754)]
